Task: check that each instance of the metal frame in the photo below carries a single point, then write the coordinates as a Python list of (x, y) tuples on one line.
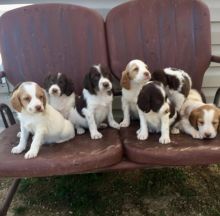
[(8, 119)]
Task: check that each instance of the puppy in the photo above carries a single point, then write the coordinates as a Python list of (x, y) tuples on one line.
[(198, 119), (133, 78), (38, 118), (156, 112), (61, 95), (177, 82), (95, 104)]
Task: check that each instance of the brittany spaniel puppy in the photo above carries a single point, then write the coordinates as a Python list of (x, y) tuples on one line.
[(198, 119), (61, 95), (177, 82), (95, 104), (38, 118), (156, 112), (134, 77)]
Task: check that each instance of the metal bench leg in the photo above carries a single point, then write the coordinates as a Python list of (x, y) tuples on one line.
[(11, 192)]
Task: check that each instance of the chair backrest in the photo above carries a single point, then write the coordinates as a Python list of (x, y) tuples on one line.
[(163, 33), (40, 39)]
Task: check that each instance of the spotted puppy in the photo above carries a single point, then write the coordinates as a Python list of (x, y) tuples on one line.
[(198, 119), (133, 78), (95, 104), (61, 93), (38, 118), (177, 82), (156, 112)]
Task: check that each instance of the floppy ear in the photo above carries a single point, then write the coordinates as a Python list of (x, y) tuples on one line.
[(44, 98), (159, 75), (143, 101), (15, 100), (46, 81), (69, 87), (125, 80), (193, 118), (219, 120), (88, 83)]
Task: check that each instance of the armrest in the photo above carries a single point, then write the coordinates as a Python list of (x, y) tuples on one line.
[(217, 97), (215, 59), (6, 111)]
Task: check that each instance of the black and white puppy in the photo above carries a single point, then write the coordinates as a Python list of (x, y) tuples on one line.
[(156, 112), (177, 82), (61, 95), (95, 104)]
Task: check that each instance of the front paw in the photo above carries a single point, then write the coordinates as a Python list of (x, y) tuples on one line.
[(197, 135), (80, 131), (142, 135), (115, 125), (17, 150), (124, 123), (31, 154), (164, 140), (96, 135)]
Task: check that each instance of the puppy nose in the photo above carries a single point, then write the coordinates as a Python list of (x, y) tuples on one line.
[(105, 84), (54, 91), (146, 74), (207, 135), (38, 108)]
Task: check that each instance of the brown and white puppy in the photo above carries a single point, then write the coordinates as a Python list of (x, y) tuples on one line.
[(177, 82), (134, 77), (95, 104), (38, 118), (61, 95), (198, 119), (156, 112)]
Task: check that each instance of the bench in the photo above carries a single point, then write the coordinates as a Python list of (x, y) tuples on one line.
[(50, 38)]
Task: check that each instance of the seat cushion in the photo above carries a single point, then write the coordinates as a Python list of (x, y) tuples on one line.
[(76, 156), (183, 149)]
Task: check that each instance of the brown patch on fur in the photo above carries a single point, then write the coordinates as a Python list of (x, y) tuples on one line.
[(125, 80), (41, 95), (194, 116), (15, 99)]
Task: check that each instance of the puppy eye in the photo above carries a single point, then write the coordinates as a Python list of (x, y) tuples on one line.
[(41, 97), (136, 69), (201, 122), (215, 123), (27, 99)]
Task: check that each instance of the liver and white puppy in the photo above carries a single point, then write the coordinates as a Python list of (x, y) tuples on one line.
[(133, 78), (61, 93), (156, 112), (95, 104), (177, 82), (198, 119), (38, 118)]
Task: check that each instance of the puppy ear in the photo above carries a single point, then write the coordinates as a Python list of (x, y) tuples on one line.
[(159, 75), (69, 87), (193, 118), (15, 99), (47, 81), (44, 98), (143, 101), (125, 80), (88, 83), (219, 120)]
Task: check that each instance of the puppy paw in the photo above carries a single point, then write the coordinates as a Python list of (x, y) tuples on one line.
[(142, 135), (103, 125), (30, 154), (17, 150), (197, 135), (138, 131), (80, 131), (124, 123), (96, 135), (115, 125), (175, 131), (164, 140)]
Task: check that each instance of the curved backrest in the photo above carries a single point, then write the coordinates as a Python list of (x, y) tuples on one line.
[(50, 38), (163, 33)]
